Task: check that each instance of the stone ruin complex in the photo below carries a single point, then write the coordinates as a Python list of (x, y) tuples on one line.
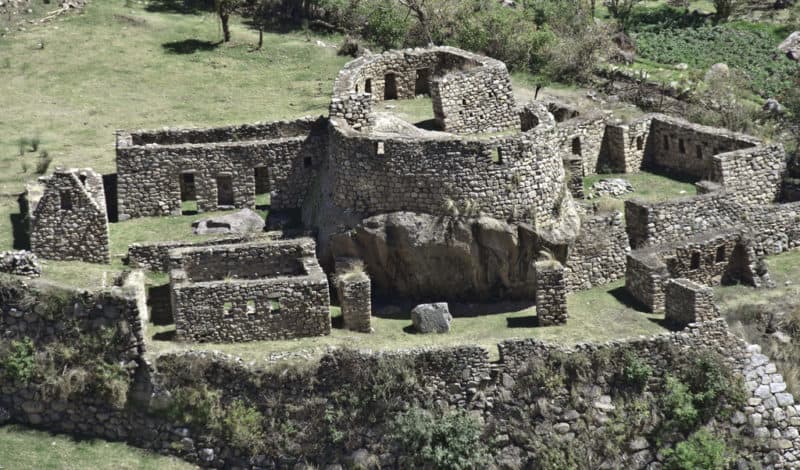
[(459, 207)]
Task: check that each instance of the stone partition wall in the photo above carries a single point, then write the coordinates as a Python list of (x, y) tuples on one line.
[(581, 138), (476, 100), (354, 289), (69, 222), (470, 93), (235, 133), (551, 294), (685, 149), (597, 256), (752, 175), (249, 260), (708, 259), (654, 223), (221, 174), (688, 302), (249, 291), (154, 256), (513, 178), (624, 146)]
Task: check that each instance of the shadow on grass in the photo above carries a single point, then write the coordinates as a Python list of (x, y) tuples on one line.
[(429, 125), (190, 46), (337, 322), (529, 321), (625, 298), (188, 7), (165, 336), (667, 325)]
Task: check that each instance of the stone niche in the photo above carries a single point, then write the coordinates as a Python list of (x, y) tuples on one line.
[(69, 222), (263, 290), (688, 302)]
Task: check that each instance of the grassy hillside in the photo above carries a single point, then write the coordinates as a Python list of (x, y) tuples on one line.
[(70, 84), (27, 449)]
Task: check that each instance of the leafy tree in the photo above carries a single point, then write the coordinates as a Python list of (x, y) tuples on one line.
[(224, 9)]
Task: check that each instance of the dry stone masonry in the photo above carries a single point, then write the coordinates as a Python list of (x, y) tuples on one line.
[(249, 291), (688, 302), (551, 294)]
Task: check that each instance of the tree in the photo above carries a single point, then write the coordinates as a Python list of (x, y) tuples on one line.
[(417, 7), (224, 9), (621, 10), (724, 8)]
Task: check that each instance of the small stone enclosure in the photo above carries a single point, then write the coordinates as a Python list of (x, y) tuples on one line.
[(249, 291)]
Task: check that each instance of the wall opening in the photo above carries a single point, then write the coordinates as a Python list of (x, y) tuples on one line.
[(695, 263), (368, 85), (720, 256), (576, 146), (380, 149), (390, 86), (699, 152), (356, 87), (422, 86), (681, 146), (262, 187), (307, 162), (274, 306), (639, 142), (224, 190), (497, 155), (66, 200), (188, 193), (251, 307), (83, 180), (226, 308), (666, 142)]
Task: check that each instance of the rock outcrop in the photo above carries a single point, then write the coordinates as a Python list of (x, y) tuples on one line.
[(243, 221), (423, 256), (431, 318)]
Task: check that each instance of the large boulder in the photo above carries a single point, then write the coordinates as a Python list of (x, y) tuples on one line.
[(242, 222), (791, 46), (431, 318), (427, 257)]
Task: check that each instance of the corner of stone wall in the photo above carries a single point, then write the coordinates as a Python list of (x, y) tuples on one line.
[(688, 302), (551, 293), (354, 289)]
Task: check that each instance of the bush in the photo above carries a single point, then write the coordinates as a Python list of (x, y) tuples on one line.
[(450, 441), (702, 451), (194, 405), (386, 25), (635, 372), (678, 405), (242, 426), (18, 363)]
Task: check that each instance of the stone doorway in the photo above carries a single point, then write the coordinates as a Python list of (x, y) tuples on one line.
[(390, 87), (188, 193), (224, 191), (423, 84), (263, 197)]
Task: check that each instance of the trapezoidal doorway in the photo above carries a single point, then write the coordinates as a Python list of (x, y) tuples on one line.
[(390, 87), (224, 191)]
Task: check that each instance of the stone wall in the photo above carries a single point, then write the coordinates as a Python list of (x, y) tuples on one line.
[(476, 100), (685, 149), (69, 222), (511, 178), (250, 260), (249, 291), (223, 173), (354, 289), (154, 256), (708, 259), (624, 146), (582, 138), (752, 175), (551, 294), (688, 302), (597, 255)]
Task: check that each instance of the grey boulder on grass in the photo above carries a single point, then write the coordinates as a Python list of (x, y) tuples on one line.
[(431, 318)]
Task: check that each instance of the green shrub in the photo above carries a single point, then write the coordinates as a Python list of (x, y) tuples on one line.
[(678, 405), (18, 362), (702, 451), (386, 25), (194, 405), (242, 426), (450, 441), (636, 373)]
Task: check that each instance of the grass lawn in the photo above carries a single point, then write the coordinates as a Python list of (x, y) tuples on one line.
[(22, 448), (784, 270), (594, 315), (647, 187)]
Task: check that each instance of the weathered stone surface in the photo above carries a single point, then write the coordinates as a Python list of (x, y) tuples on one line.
[(241, 222), (614, 187), (431, 318), (791, 46), (21, 263)]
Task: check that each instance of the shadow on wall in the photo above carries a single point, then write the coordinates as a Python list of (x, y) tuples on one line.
[(528, 321), (160, 305), (189, 7), (189, 46), (110, 190), (20, 226)]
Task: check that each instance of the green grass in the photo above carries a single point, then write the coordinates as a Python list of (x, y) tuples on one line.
[(22, 448), (413, 110), (74, 100), (594, 315), (784, 270), (647, 187)]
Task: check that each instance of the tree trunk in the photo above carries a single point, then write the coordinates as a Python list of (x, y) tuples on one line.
[(226, 31)]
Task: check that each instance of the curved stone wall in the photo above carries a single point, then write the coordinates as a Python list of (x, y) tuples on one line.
[(515, 178)]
